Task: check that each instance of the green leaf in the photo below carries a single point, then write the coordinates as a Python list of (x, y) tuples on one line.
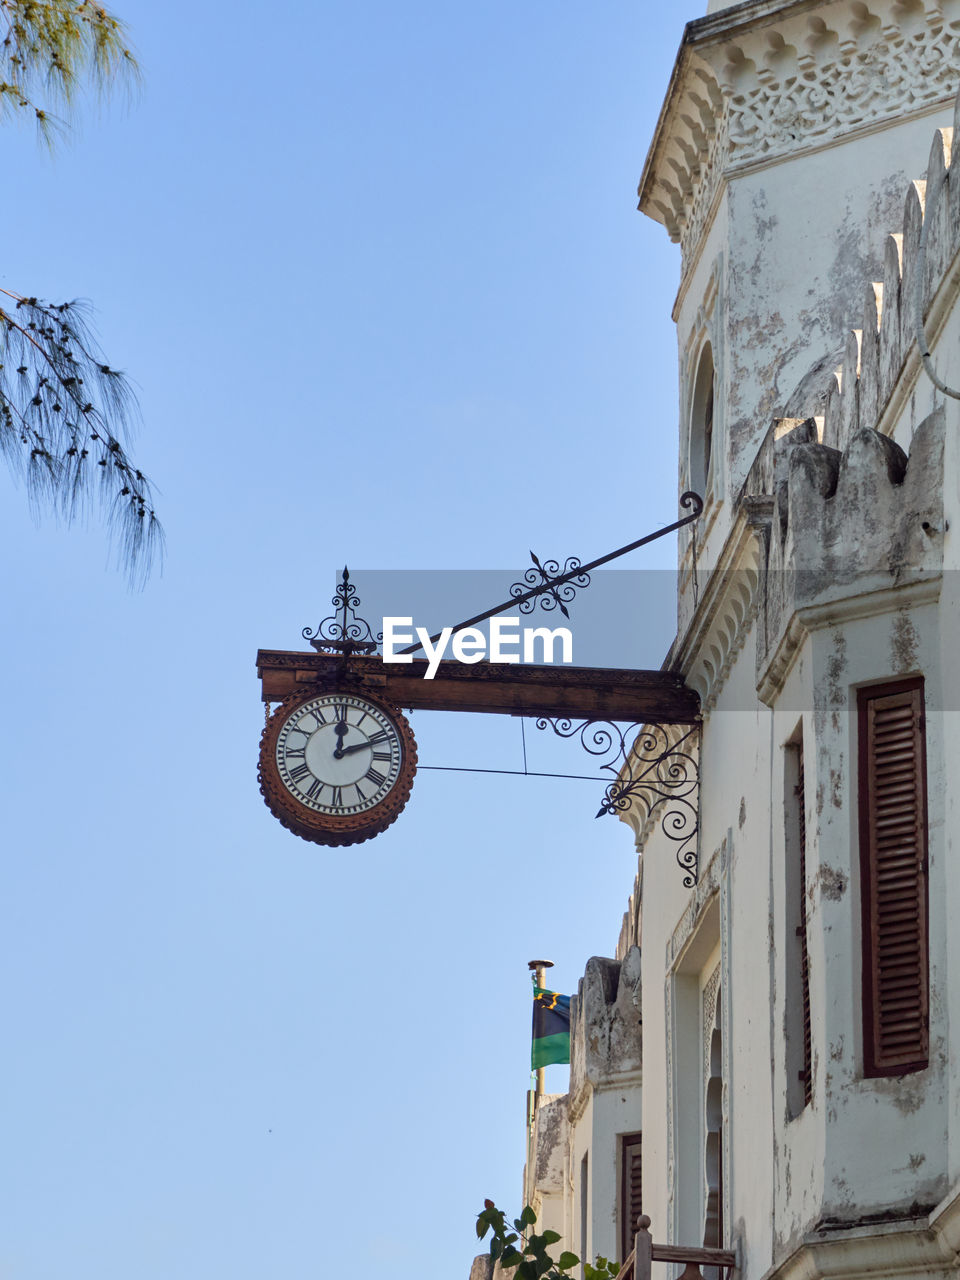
[(567, 1260), (550, 1237), (527, 1271), (528, 1217), (482, 1227), (496, 1247), (511, 1257)]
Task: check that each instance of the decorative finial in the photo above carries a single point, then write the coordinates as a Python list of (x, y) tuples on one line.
[(343, 632)]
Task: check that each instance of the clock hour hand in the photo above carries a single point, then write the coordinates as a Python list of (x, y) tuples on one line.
[(340, 729)]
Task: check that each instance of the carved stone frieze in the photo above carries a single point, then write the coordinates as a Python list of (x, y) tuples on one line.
[(750, 88)]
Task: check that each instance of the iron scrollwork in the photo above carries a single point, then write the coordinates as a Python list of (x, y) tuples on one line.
[(661, 770), (343, 632), (556, 588)]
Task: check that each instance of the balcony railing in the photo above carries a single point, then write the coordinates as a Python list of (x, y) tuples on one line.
[(638, 1265)]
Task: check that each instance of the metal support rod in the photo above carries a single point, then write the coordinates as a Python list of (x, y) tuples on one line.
[(550, 584)]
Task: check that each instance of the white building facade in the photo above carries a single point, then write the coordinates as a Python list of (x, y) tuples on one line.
[(770, 1062)]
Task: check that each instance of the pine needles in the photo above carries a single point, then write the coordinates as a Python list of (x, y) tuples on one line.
[(65, 414), (49, 47), (65, 417)]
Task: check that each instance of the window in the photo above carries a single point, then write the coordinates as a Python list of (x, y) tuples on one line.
[(893, 877), (799, 1056), (631, 1191), (701, 423), (712, 1120)]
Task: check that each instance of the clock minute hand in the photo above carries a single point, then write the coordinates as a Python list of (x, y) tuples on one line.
[(357, 746)]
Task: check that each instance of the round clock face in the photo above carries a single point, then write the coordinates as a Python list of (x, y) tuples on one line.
[(336, 768)]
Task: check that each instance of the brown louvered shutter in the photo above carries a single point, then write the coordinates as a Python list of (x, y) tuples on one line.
[(893, 874), (807, 1070), (631, 1191)]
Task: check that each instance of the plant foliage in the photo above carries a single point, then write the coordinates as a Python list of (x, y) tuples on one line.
[(65, 416), (529, 1252), (50, 47)]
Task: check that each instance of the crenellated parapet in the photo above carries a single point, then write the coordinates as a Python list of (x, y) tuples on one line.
[(849, 526), (605, 1044), (762, 81), (868, 388)]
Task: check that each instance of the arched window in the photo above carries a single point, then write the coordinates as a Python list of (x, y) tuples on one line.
[(701, 423)]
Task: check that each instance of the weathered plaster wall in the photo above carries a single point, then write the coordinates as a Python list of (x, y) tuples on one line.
[(798, 242), (545, 1174)]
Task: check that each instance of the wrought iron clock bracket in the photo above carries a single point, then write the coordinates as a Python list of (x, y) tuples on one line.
[(653, 764), (652, 767)]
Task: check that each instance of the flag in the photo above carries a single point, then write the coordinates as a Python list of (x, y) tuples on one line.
[(551, 1028)]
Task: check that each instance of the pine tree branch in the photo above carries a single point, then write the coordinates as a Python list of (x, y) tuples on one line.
[(65, 420), (50, 47)]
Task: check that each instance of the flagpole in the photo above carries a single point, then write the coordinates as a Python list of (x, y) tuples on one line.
[(537, 967)]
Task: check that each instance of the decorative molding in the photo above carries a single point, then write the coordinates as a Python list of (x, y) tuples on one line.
[(726, 1021), (707, 887), (670, 1001), (910, 1246), (753, 86), (830, 613), (721, 622)]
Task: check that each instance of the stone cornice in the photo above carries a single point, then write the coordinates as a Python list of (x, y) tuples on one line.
[(908, 1246), (924, 589), (763, 81)]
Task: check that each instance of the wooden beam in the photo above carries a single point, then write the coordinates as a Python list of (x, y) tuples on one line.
[(601, 693)]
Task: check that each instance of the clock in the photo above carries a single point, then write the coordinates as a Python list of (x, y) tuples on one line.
[(336, 768)]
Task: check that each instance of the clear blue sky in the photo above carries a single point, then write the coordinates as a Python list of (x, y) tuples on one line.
[(378, 275)]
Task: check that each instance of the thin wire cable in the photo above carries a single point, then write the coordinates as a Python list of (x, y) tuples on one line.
[(516, 773), (523, 739)]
